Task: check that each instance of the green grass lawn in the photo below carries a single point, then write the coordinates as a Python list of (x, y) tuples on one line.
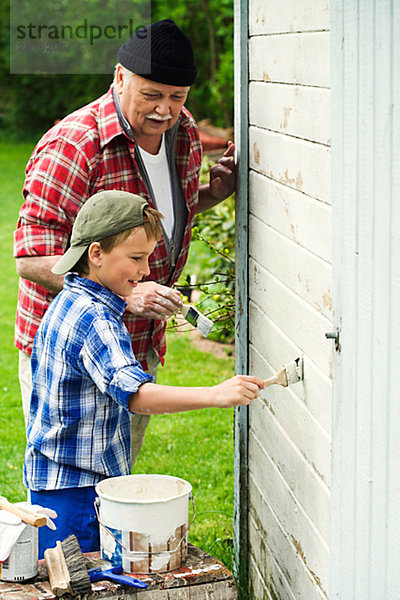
[(197, 446)]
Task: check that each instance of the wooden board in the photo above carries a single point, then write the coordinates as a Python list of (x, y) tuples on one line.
[(275, 16), (302, 58), (265, 569), (365, 542), (258, 587), (302, 219), (298, 269), (312, 396), (271, 498), (290, 297), (303, 429), (202, 577), (299, 164), (240, 538), (301, 479), (287, 108), (296, 318), (281, 559)]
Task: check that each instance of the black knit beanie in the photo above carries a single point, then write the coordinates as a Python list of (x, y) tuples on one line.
[(160, 52)]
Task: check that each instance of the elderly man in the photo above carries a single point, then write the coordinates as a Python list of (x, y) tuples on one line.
[(140, 138)]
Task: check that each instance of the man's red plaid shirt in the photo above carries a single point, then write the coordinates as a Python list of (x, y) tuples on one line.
[(86, 152)]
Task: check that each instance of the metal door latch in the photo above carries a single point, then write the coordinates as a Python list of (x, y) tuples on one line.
[(334, 335)]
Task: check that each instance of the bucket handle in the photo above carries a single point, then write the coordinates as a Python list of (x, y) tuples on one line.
[(96, 505)]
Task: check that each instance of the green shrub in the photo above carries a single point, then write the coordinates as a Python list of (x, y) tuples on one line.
[(212, 261), (31, 103)]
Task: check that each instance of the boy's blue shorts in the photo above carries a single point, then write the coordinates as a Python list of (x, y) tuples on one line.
[(76, 515)]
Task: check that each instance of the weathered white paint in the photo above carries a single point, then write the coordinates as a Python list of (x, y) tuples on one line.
[(300, 218), (259, 588), (300, 477), (278, 556), (303, 429), (300, 270), (289, 231), (287, 108), (291, 58), (275, 16), (296, 318), (292, 523), (290, 298), (299, 164), (366, 191), (274, 348)]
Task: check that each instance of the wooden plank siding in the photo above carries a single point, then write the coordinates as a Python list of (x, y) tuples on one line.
[(287, 108), (365, 550), (275, 16), (290, 297)]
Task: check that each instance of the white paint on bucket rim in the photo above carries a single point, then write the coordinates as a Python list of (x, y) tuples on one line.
[(148, 516), (143, 489)]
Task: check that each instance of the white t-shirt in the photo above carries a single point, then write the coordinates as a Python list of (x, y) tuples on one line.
[(158, 172)]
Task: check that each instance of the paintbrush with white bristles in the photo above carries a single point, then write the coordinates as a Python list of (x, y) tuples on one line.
[(287, 374)]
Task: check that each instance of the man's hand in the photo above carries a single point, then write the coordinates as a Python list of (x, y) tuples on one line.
[(223, 173), (153, 301)]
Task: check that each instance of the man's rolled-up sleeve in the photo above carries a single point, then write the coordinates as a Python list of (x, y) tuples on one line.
[(56, 185)]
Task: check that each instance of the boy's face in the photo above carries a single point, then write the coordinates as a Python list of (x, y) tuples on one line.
[(127, 263)]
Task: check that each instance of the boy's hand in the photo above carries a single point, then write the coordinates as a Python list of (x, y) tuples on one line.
[(237, 391), (153, 301)]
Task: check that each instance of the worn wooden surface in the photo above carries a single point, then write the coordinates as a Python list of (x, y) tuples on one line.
[(300, 58), (202, 577), (365, 542), (296, 163), (274, 16), (303, 272), (290, 297), (299, 218), (286, 108)]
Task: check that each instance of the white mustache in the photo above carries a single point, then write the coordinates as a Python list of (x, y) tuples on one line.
[(158, 117)]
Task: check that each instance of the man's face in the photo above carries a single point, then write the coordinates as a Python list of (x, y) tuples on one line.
[(150, 108)]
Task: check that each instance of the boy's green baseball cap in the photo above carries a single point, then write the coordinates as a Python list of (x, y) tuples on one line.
[(106, 213)]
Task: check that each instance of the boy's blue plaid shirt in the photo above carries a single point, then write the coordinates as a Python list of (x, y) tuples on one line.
[(83, 373)]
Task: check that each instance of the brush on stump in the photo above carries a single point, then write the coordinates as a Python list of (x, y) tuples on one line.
[(67, 569)]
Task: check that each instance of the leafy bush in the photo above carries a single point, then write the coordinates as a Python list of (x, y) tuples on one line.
[(212, 261), (31, 103)]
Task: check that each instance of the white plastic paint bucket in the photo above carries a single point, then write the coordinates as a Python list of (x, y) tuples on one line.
[(144, 522)]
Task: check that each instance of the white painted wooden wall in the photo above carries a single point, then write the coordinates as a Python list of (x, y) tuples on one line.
[(290, 293), (365, 541)]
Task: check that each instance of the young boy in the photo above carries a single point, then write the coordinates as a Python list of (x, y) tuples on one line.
[(86, 380)]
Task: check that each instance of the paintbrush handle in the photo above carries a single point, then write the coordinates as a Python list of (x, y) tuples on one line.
[(98, 575), (278, 378), (58, 571), (27, 516), (126, 580), (271, 381)]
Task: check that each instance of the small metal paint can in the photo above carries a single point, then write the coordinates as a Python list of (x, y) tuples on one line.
[(22, 564)]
